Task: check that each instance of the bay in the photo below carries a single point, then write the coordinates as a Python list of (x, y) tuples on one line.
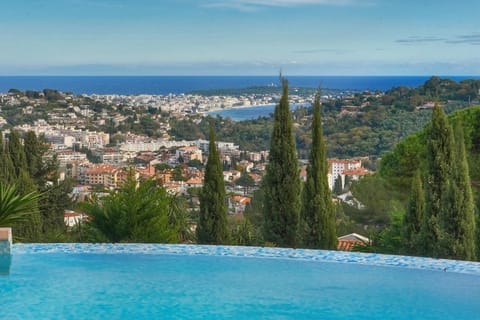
[(249, 113)]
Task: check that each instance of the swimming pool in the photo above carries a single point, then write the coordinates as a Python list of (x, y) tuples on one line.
[(81, 281)]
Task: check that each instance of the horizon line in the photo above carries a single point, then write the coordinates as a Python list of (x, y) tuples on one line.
[(239, 75)]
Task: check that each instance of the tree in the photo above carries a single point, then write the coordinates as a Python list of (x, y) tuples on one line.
[(245, 181), (318, 211), (31, 146), (282, 181), (458, 220), (212, 226), (337, 187), (177, 174), (135, 213), (414, 216), (439, 171), (7, 171), (17, 153)]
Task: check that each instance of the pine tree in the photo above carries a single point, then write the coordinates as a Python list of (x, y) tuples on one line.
[(439, 171), (212, 227), (414, 216), (282, 181), (318, 211)]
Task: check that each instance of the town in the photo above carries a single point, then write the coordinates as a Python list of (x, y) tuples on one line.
[(86, 138)]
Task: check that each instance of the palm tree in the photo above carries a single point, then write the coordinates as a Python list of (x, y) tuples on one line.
[(16, 208)]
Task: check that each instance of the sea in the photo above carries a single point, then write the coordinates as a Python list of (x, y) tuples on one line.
[(163, 85)]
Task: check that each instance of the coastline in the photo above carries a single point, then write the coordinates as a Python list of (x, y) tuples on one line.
[(236, 108)]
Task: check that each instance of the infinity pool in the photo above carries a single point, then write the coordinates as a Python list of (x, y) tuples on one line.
[(202, 282)]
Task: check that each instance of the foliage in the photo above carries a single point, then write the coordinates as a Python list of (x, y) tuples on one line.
[(14, 207), (414, 216), (281, 183), (212, 226), (375, 194), (318, 212), (243, 233), (245, 181), (439, 171), (135, 213), (337, 187)]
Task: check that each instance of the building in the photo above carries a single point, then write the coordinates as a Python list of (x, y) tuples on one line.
[(347, 242), (223, 147), (106, 175), (72, 218), (237, 204), (336, 168), (65, 157), (189, 153)]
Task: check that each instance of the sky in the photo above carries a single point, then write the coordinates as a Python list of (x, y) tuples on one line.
[(239, 37)]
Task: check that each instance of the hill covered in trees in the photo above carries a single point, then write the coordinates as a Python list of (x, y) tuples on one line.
[(360, 124), (422, 162)]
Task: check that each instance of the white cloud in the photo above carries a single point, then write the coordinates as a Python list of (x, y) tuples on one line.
[(251, 5)]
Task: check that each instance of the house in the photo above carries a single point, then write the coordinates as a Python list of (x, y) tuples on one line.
[(336, 168), (194, 182), (189, 153), (346, 242), (72, 218), (231, 176), (237, 204)]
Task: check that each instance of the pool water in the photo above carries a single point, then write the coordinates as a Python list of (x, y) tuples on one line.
[(131, 284)]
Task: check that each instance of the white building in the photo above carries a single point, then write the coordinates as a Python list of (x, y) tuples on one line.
[(337, 167)]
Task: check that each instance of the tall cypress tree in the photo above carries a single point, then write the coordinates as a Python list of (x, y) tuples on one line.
[(458, 219), (7, 171), (282, 181), (318, 211), (17, 153), (33, 154), (337, 186), (212, 227), (414, 216), (439, 172)]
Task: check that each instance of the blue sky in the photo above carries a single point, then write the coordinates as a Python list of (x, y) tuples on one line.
[(240, 37)]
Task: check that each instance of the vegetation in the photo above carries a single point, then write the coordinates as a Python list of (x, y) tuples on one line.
[(363, 124), (432, 165), (212, 226), (281, 183), (136, 213), (16, 208), (414, 217), (318, 211), (34, 177)]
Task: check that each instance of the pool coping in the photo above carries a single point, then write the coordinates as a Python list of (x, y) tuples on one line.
[(373, 259)]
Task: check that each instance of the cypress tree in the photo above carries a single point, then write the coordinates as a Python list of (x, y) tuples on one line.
[(16, 152), (414, 216), (282, 181), (439, 171), (458, 220), (318, 211), (7, 171), (212, 227), (337, 187), (33, 153)]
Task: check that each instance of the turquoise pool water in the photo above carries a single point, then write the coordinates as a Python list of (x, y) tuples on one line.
[(201, 282)]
